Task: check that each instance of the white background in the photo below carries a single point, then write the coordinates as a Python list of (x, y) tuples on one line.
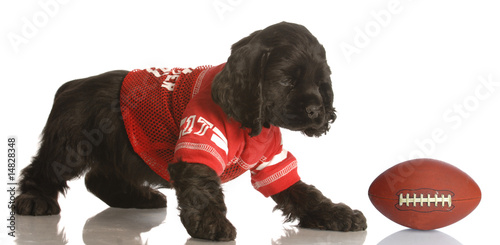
[(403, 72)]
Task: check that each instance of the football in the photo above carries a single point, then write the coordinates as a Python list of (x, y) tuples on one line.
[(424, 194)]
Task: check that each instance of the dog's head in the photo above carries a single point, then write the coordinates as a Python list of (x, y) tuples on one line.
[(277, 76)]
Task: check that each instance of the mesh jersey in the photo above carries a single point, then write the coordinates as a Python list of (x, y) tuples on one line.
[(170, 116)]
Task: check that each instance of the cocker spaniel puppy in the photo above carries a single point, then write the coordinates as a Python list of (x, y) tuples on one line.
[(193, 129)]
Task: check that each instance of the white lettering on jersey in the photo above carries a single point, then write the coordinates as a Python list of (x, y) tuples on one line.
[(204, 126), (171, 76), (154, 72), (165, 70), (188, 123), (168, 85)]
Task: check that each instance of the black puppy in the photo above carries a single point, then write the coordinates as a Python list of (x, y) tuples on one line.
[(100, 126)]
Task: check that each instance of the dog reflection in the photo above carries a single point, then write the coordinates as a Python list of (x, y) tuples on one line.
[(121, 226)]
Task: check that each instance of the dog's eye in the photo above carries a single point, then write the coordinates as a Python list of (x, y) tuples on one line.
[(287, 82)]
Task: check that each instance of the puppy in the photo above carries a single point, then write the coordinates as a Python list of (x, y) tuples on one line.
[(191, 130)]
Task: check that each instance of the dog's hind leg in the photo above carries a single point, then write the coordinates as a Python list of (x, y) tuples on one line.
[(79, 124), (41, 182), (58, 160), (120, 178), (117, 192)]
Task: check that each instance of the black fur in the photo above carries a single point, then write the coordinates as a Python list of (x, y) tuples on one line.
[(85, 132), (276, 76), (313, 210), (201, 201)]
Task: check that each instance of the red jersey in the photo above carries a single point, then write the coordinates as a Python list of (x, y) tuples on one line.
[(170, 116)]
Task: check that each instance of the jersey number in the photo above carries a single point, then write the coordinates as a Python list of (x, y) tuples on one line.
[(189, 124)]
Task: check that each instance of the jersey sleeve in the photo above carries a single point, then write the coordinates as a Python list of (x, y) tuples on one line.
[(201, 141), (276, 172)]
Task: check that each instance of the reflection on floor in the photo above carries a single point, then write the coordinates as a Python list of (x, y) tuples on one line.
[(134, 226), (417, 237), (86, 220)]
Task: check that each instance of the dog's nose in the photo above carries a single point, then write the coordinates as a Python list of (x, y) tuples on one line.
[(313, 111)]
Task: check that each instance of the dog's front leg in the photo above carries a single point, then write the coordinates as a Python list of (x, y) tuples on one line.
[(313, 210), (201, 201)]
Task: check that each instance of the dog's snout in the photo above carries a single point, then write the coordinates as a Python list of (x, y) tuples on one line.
[(313, 111)]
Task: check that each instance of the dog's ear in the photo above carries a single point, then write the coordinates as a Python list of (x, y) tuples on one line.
[(237, 89)]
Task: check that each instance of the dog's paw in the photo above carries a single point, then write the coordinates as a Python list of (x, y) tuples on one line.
[(208, 224), (358, 221), (32, 204), (338, 217), (156, 200)]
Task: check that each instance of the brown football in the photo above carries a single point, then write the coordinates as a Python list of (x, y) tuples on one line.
[(424, 194)]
